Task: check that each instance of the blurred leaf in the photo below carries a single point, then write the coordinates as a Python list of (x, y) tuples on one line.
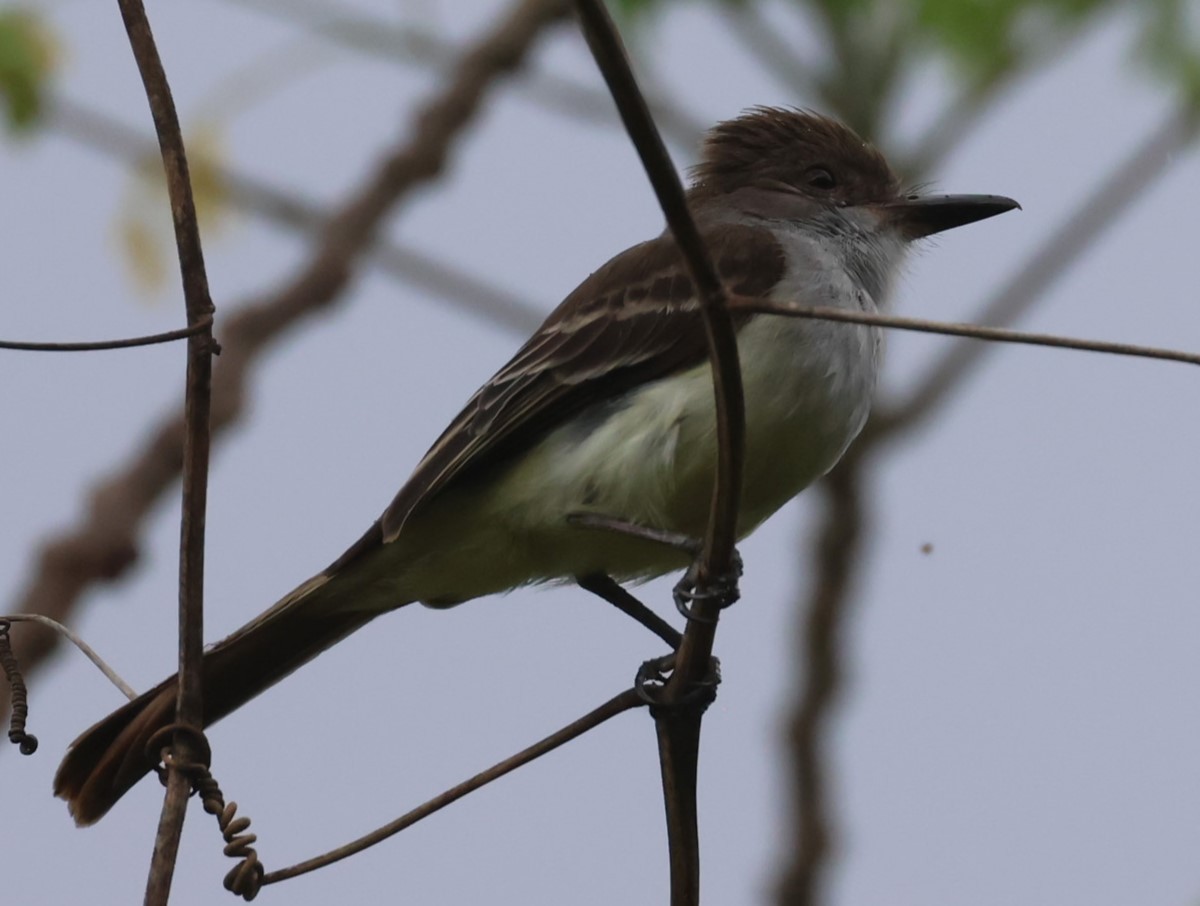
[(144, 228), (27, 57), (206, 155), (1170, 46), (988, 38), (633, 10), (144, 253), (841, 11)]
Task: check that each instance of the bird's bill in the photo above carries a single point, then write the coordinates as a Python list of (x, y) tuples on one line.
[(924, 216)]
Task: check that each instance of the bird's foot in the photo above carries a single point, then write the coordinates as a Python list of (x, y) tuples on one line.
[(720, 589), (654, 675)]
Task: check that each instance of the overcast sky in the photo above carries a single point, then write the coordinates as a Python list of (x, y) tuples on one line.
[(1022, 724)]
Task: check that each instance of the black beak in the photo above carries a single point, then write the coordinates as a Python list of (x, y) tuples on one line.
[(917, 217)]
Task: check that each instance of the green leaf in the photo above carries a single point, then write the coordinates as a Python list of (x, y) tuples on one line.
[(632, 10), (988, 38), (26, 61), (1170, 46)]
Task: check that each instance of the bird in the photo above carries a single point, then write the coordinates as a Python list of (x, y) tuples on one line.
[(608, 409)]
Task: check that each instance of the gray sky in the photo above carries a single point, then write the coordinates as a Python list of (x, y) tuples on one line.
[(1022, 722)]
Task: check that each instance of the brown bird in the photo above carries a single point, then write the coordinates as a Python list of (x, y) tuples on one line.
[(608, 409)]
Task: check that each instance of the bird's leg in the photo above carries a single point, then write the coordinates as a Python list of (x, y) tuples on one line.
[(607, 588), (724, 588), (685, 543)]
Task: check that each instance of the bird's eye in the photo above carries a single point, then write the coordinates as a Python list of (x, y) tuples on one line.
[(820, 178)]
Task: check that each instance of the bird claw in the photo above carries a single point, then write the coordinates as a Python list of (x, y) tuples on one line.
[(653, 676), (721, 589)]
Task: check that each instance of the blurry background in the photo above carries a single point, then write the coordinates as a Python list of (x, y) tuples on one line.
[(1016, 717)]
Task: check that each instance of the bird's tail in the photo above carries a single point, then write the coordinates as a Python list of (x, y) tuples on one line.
[(108, 759)]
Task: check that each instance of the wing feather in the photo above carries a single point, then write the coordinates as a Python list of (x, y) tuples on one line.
[(635, 320)]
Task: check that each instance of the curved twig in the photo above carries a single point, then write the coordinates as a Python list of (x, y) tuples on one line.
[(88, 651), (196, 443), (103, 547), (679, 730), (97, 345), (626, 701)]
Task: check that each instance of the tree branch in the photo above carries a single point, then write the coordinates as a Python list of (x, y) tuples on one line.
[(845, 523), (769, 48), (104, 546), (838, 549), (971, 331), (618, 705), (196, 440), (1110, 199), (678, 727), (75, 639), (409, 44), (99, 345), (102, 133)]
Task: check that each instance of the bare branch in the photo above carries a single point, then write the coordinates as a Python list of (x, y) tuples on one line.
[(98, 345), (953, 125), (409, 44), (845, 524), (104, 546), (610, 56), (196, 443), (769, 48), (1111, 198), (819, 656), (966, 110), (973, 331), (678, 728), (624, 702), (71, 636), (100, 132)]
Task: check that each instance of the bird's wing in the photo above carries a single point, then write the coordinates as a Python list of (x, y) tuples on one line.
[(634, 320)]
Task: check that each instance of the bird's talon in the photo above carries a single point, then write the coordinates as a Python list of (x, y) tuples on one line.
[(653, 676), (722, 590)]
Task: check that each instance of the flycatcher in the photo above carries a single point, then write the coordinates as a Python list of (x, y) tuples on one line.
[(608, 409)]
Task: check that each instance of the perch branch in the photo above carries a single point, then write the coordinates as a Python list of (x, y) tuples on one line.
[(104, 546)]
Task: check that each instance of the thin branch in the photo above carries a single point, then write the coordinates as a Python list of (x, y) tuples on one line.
[(98, 345), (845, 524), (606, 47), (104, 546), (1111, 198), (953, 125), (819, 654), (973, 331), (196, 442), (626, 701), (968, 108), (408, 44), (678, 729), (76, 640), (769, 48), (100, 132)]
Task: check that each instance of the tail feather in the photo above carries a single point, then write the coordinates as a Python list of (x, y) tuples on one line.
[(108, 759)]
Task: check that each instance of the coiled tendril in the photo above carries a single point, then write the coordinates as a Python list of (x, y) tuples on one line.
[(245, 878)]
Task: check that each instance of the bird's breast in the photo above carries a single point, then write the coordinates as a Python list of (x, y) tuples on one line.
[(808, 387)]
